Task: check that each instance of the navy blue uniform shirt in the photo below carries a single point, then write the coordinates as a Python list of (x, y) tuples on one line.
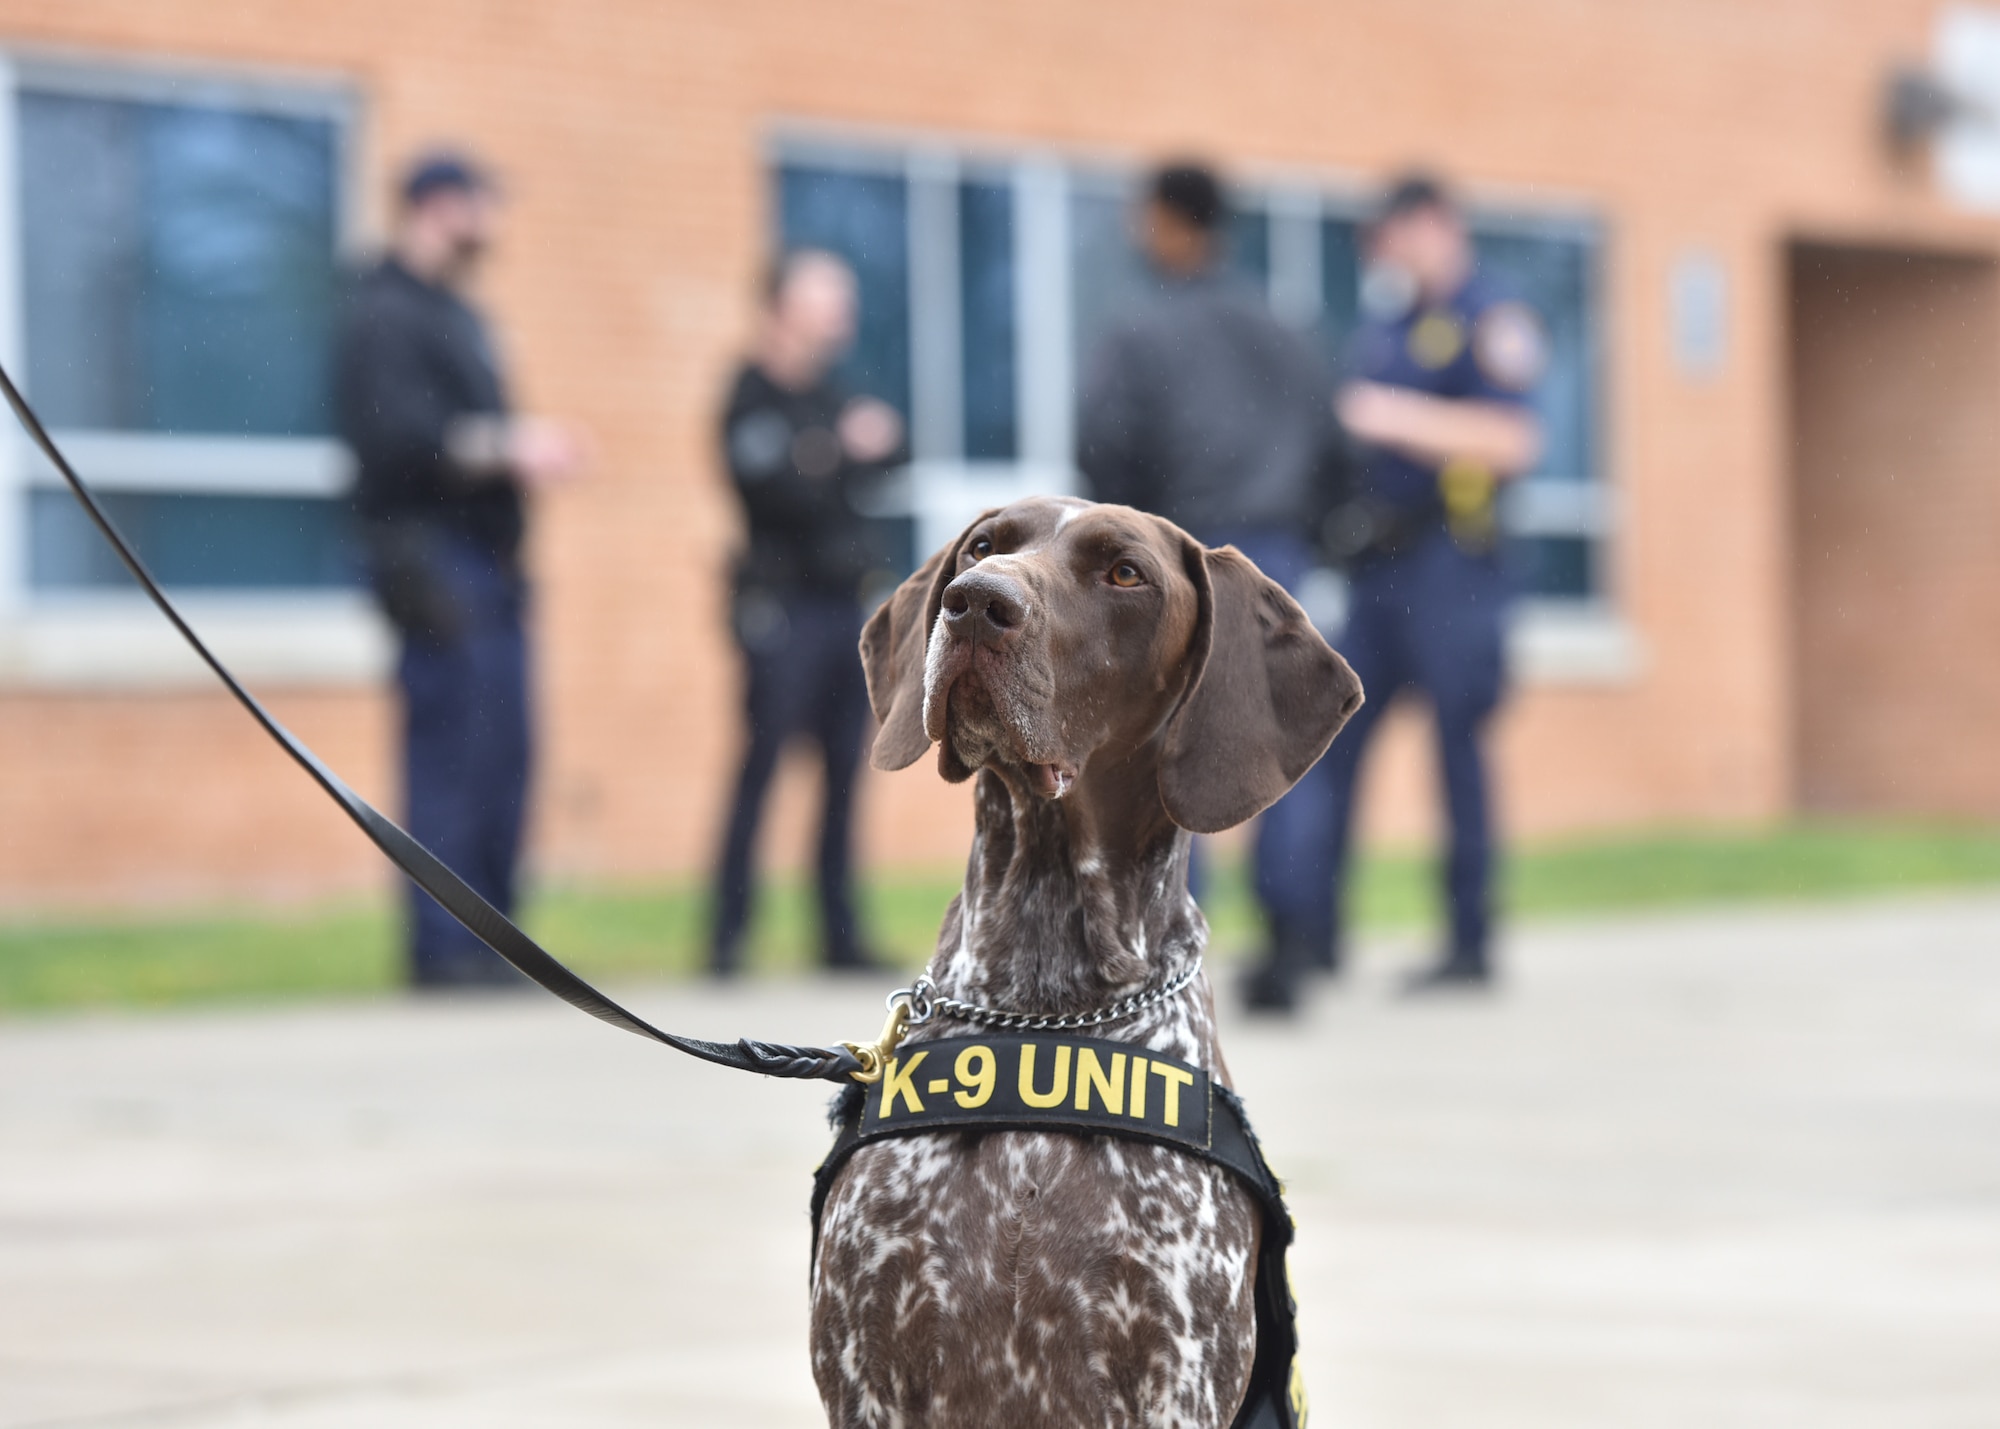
[(1479, 345)]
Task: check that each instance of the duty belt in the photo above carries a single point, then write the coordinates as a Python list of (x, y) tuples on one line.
[(1084, 1087)]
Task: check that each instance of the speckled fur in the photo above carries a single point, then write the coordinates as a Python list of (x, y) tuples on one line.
[(1015, 1278)]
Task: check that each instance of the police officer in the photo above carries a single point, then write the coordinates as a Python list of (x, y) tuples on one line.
[(801, 451), (1442, 369), (442, 471), (1200, 406)]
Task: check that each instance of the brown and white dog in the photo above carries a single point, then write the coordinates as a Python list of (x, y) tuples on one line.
[(1113, 685)]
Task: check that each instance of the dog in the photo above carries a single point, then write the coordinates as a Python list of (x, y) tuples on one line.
[(1113, 686)]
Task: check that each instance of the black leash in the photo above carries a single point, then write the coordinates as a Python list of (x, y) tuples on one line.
[(426, 870)]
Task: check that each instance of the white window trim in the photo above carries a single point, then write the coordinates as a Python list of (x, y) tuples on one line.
[(1045, 364), (937, 339), (1574, 642), (1297, 263), (218, 466), (114, 639)]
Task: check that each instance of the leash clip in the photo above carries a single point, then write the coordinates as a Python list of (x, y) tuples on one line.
[(908, 1007), (919, 997)]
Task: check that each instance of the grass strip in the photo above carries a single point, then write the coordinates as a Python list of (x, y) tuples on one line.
[(656, 930)]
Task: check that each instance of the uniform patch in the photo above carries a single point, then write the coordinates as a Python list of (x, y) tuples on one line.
[(1510, 346), (1436, 339)]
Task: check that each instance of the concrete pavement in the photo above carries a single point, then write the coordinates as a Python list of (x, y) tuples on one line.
[(1716, 1170)]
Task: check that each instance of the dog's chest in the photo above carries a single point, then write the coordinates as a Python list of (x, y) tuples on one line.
[(1014, 1277)]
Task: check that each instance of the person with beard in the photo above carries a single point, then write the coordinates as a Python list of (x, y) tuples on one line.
[(443, 471), (801, 451)]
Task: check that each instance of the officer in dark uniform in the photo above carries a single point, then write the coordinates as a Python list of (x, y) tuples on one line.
[(442, 468), (801, 452), (1441, 371)]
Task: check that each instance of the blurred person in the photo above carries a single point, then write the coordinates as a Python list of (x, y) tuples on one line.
[(443, 470), (800, 449), (1443, 368), (1200, 406)]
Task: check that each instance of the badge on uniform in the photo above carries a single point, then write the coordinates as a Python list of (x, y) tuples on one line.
[(1510, 347), (1436, 339)]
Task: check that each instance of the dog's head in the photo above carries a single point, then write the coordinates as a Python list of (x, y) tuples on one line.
[(1054, 630)]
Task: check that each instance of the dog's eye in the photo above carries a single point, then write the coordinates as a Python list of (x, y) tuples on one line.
[(1126, 574), (980, 549)]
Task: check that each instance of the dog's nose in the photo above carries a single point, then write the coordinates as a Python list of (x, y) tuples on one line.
[(984, 607)]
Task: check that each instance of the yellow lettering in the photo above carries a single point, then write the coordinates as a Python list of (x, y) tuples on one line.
[(1057, 1090), (1175, 1078), (1089, 1073), (981, 1081), (939, 1086), (1139, 1065), (900, 1081)]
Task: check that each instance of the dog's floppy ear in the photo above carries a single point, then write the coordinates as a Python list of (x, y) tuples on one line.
[(892, 656), (1265, 696)]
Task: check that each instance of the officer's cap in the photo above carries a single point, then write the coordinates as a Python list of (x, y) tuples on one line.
[(444, 171), (1414, 191)]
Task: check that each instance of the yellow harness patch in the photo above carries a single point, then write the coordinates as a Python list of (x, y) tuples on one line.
[(1086, 1087)]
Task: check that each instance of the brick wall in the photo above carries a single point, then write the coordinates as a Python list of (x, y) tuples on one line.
[(631, 132)]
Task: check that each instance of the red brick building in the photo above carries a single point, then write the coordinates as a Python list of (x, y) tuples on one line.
[(1760, 551)]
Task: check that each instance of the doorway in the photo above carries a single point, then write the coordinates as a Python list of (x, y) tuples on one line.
[(1895, 531)]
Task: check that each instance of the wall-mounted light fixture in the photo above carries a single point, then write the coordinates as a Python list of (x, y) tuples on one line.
[(1917, 106)]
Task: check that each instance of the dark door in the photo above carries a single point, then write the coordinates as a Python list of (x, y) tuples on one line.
[(1895, 528)]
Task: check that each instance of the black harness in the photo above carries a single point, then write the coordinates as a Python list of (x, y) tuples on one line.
[(1205, 1120), (1084, 1087)]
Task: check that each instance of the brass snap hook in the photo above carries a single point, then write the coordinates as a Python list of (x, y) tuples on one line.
[(874, 1056)]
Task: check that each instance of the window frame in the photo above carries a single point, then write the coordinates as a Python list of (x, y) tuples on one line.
[(112, 637), (1560, 639), (942, 489), (1556, 505)]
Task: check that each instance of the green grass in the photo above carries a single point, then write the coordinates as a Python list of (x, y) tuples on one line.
[(656, 930)]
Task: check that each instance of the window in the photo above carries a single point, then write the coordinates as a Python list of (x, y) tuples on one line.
[(988, 349), (987, 282), (177, 248), (946, 320), (864, 217)]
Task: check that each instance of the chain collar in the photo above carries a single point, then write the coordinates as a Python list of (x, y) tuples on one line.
[(924, 1003)]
